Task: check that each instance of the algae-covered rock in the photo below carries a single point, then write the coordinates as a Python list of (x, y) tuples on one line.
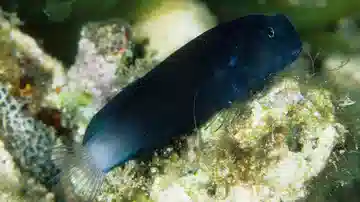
[(339, 181), (172, 24), (266, 151), (30, 71)]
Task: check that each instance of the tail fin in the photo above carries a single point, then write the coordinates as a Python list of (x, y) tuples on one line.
[(79, 177)]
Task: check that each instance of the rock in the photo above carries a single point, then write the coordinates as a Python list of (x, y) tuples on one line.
[(269, 152), (173, 24)]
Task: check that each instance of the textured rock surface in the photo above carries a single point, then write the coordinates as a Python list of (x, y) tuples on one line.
[(16, 187), (173, 24), (267, 153)]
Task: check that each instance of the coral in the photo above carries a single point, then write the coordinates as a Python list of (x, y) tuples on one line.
[(25, 45), (9, 69), (26, 64), (100, 48), (16, 187), (27, 139), (100, 70)]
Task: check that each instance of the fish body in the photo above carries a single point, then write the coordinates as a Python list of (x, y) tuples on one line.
[(224, 64)]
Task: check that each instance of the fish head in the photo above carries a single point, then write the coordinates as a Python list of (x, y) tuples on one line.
[(280, 39), (265, 44)]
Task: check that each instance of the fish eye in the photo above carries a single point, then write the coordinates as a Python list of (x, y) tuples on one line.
[(271, 32)]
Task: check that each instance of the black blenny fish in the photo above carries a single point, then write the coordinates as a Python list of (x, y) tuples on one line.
[(224, 64)]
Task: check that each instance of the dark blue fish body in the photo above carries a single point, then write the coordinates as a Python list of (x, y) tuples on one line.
[(225, 64)]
